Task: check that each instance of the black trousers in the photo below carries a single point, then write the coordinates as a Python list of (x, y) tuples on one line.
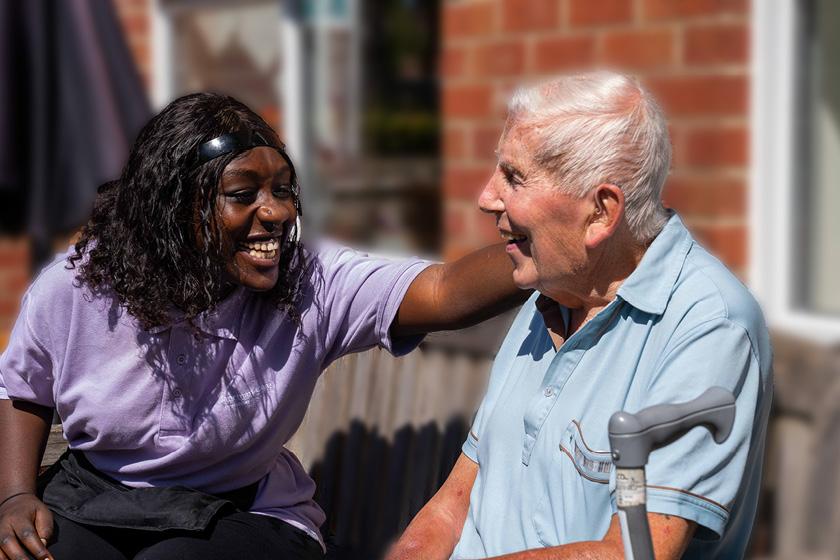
[(231, 536)]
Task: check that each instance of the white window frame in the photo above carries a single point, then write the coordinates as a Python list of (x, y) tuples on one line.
[(291, 79), (773, 173)]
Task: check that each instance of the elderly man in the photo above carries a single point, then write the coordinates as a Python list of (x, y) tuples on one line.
[(630, 312)]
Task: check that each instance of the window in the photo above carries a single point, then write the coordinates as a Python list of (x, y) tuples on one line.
[(795, 190), (819, 157), (350, 85)]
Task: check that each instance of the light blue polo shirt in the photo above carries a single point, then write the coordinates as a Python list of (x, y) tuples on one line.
[(681, 323)]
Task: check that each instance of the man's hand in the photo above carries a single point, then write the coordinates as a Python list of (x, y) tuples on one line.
[(26, 524)]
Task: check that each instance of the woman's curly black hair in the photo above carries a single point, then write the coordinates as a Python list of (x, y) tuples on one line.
[(154, 237)]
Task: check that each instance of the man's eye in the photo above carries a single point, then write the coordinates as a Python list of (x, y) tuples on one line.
[(511, 179)]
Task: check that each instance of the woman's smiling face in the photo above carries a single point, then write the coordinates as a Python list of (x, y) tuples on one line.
[(256, 207)]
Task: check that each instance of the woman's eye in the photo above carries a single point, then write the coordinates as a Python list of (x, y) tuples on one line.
[(242, 196), (283, 192)]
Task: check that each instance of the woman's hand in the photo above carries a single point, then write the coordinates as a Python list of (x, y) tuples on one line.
[(26, 524), (459, 294)]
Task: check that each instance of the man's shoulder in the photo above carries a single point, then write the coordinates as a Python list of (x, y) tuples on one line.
[(706, 290)]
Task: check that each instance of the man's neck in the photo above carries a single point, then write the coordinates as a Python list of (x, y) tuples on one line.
[(610, 269)]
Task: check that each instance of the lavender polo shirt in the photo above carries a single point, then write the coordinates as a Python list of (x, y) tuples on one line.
[(163, 407)]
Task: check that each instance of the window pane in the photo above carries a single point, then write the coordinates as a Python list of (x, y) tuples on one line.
[(232, 49), (822, 103)]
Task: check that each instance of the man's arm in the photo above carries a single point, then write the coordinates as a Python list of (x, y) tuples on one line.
[(459, 294), (434, 532), (670, 535)]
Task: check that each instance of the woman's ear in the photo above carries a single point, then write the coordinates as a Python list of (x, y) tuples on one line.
[(607, 214)]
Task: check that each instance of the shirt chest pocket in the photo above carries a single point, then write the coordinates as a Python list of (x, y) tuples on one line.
[(591, 464)]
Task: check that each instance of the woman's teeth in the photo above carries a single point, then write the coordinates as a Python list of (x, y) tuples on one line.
[(262, 249)]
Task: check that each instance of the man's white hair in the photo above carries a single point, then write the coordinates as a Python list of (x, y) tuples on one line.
[(596, 128)]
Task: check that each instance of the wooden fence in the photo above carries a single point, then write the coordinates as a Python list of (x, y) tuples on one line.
[(382, 434)]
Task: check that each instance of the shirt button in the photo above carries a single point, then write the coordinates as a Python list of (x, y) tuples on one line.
[(176, 393), (549, 391), (181, 359)]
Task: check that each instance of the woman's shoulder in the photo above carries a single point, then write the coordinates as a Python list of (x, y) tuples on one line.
[(57, 281)]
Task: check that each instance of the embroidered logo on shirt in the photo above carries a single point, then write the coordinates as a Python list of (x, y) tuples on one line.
[(241, 398), (593, 465)]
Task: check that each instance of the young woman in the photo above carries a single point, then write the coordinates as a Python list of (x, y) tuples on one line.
[(180, 342)]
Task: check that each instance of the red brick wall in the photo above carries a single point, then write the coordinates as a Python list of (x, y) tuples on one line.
[(14, 252), (135, 16), (693, 54)]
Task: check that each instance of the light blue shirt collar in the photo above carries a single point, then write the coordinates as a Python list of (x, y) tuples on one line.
[(650, 286)]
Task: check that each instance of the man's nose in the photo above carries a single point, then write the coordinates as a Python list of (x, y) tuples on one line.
[(488, 200)]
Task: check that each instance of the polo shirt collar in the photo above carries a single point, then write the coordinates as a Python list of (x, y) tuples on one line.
[(222, 321), (650, 286)]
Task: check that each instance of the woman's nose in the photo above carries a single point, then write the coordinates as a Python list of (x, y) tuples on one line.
[(274, 213)]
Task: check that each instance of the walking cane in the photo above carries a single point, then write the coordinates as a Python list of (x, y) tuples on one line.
[(634, 436)]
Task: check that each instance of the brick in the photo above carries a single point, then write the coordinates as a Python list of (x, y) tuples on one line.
[(707, 197), (486, 141), (453, 61), (701, 95), (467, 19), (142, 54), (135, 25), (502, 58), (454, 143), (456, 220), (717, 147), (9, 309), (530, 15), (131, 5), (681, 9), (557, 54), (464, 183), (13, 282), (467, 101), (639, 49), (592, 12), (717, 44), (727, 242), (14, 253)]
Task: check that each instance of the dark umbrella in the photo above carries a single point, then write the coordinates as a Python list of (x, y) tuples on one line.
[(71, 103)]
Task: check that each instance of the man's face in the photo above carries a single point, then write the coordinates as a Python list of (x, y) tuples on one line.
[(256, 208), (544, 228)]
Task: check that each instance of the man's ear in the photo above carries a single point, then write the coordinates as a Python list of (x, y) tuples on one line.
[(607, 214)]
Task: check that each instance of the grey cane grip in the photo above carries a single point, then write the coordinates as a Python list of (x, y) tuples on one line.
[(634, 436)]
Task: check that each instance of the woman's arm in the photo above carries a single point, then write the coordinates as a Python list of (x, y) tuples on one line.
[(25, 522), (459, 294)]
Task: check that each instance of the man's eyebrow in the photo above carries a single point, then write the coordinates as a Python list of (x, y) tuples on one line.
[(508, 168)]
